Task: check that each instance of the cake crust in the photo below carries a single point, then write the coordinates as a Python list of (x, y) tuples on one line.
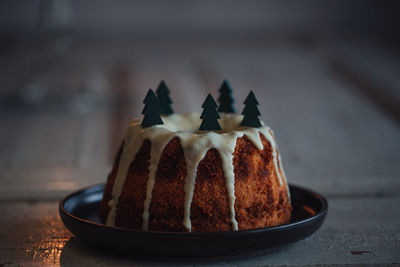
[(261, 201)]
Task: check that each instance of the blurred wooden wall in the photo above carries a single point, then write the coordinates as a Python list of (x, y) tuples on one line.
[(193, 17)]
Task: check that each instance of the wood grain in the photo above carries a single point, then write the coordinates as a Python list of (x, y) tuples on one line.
[(34, 234), (331, 139)]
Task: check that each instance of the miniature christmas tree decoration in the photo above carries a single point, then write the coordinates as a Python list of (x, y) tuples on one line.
[(225, 98), (251, 112), (210, 115), (164, 101), (151, 110)]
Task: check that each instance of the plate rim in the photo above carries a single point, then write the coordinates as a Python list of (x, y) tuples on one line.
[(321, 213)]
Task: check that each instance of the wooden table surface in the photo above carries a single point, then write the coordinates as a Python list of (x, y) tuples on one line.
[(333, 105)]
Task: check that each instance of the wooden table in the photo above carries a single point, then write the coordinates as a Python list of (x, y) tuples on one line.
[(334, 106)]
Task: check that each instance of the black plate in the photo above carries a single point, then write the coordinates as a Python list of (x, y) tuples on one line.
[(79, 213)]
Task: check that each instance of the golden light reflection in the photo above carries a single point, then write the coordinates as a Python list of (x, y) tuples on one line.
[(38, 237), (308, 209), (46, 251)]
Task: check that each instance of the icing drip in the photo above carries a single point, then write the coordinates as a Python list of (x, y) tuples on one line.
[(271, 140), (157, 146), (194, 153), (132, 140), (283, 172), (195, 145), (195, 149), (227, 165)]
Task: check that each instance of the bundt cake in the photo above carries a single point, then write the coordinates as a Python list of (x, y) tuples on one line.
[(173, 177)]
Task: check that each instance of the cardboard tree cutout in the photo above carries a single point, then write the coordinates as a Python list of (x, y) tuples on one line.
[(251, 112), (164, 101), (151, 110), (209, 115)]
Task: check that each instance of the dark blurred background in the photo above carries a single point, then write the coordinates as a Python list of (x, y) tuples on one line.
[(73, 73), (205, 19)]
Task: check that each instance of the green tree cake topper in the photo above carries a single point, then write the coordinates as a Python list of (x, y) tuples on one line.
[(210, 115), (225, 98), (151, 110), (251, 112), (164, 101)]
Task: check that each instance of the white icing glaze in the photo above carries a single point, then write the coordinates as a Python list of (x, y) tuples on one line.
[(283, 172), (195, 145), (157, 146)]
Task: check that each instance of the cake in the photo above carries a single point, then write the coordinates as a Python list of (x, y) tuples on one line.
[(173, 177)]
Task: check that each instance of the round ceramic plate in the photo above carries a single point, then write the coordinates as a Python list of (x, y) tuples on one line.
[(79, 213)]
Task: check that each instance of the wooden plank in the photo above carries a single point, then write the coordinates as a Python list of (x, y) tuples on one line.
[(372, 70), (52, 138), (15, 129), (330, 138), (33, 234), (349, 236), (375, 60), (37, 184), (94, 146)]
